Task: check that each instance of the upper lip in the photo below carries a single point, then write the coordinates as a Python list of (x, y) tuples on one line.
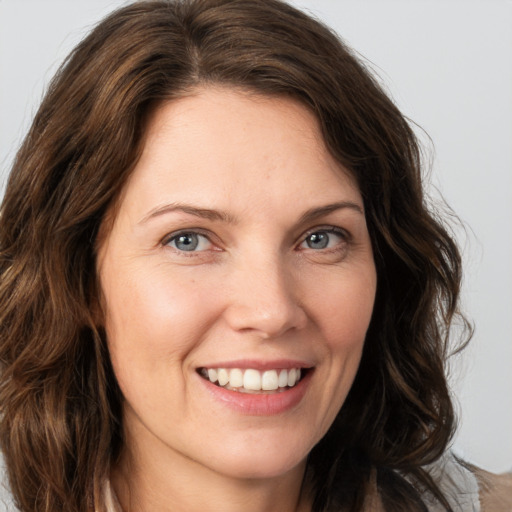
[(258, 364)]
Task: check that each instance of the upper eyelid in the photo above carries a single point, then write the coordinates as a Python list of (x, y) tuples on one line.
[(345, 236), (173, 234), (327, 228), (165, 243)]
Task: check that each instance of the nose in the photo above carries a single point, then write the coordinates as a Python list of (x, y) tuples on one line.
[(264, 300)]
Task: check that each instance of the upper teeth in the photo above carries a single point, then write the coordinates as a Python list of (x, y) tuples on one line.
[(252, 380)]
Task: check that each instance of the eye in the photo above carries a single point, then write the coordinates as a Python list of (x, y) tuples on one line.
[(189, 241), (323, 239)]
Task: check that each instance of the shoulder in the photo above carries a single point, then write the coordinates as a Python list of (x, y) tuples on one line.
[(470, 489), (495, 491), (455, 479)]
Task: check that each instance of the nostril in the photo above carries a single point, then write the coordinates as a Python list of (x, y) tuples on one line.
[(268, 321)]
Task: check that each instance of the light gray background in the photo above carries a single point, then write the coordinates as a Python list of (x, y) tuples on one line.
[(448, 64)]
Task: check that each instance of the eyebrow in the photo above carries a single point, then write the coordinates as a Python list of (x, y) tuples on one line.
[(222, 216), (315, 213), (204, 213)]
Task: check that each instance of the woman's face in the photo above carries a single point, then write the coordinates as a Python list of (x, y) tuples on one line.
[(239, 254)]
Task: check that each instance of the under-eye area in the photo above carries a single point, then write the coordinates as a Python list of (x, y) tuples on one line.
[(250, 380)]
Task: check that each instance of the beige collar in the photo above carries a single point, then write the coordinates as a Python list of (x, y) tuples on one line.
[(111, 502)]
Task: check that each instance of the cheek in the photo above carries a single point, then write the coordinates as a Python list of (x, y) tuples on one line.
[(343, 311), (152, 323), (343, 307)]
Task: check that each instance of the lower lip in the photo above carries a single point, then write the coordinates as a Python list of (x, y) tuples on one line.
[(264, 404)]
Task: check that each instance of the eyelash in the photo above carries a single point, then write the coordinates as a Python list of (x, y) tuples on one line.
[(344, 235)]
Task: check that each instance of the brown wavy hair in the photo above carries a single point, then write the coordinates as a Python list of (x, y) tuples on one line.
[(60, 405)]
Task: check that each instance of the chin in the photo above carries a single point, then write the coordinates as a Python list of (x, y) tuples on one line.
[(260, 460), (261, 467)]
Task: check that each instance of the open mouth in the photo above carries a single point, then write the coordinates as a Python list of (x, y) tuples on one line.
[(249, 380)]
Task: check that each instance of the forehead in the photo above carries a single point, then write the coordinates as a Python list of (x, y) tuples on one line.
[(220, 145)]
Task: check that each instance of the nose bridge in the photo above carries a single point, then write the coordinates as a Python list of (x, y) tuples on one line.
[(264, 296)]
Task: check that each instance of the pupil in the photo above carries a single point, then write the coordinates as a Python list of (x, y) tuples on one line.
[(318, 240), (187, 242)]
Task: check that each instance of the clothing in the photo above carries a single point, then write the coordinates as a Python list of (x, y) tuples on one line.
[(110, 499), (458, 484)]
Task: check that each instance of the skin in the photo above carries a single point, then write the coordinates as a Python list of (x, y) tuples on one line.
[(254, 289)]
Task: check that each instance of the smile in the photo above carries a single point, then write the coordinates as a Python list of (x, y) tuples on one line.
[(251, 380)]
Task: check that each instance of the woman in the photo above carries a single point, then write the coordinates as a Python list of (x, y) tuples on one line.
[(221, 287)]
